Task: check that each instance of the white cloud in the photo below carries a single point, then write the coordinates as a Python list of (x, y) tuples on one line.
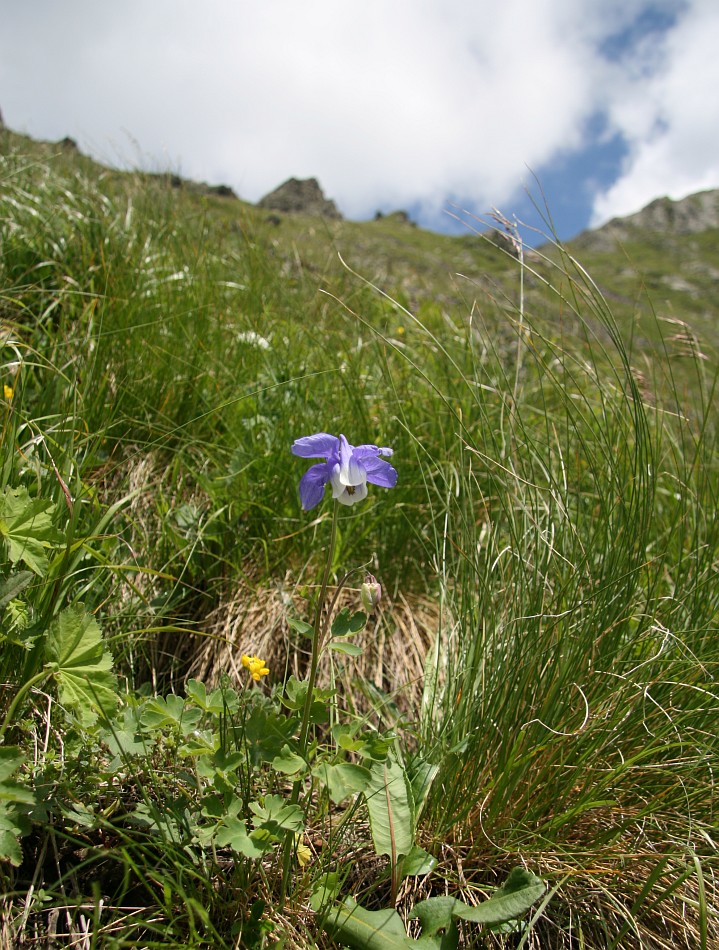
[(388, 104), (669, 119)]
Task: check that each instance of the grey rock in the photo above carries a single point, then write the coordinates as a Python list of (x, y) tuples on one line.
[(300, 196)]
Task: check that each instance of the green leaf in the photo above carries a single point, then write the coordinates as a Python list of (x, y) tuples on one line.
[(277, 813), (439, 930), (219, 701), (342, 779), (344, 624), (26, 525), (418, 862), (363, 929), (170, 710), (162, 711), (349, 649), (123, 738), (11, 758), (421, 776), (232, 833), (510, 901), (303, 628), (13, 824), (288, 762), (13, 586), (324, 889), (390, 809), (82, 665), (10, 831)]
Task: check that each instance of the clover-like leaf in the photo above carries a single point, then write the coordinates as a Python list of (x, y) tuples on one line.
[(277, 813), (232, 833), (81, 664), (345, 624), (288, 762)]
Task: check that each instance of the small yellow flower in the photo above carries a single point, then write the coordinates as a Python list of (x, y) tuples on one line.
[(304, 855), (400, 331), (255, 667), (7, 391)]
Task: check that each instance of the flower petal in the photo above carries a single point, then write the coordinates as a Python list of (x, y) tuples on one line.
[(371, 450), (351, 469), (350, 494), (380, 472), (318, 446), (312, 485)]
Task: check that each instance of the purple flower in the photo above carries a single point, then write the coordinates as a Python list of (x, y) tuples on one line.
[(347, 468)]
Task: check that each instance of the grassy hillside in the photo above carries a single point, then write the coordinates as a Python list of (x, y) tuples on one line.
[(211, 735)]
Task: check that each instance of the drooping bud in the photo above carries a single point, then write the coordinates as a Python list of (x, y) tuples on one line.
[(370, 593)]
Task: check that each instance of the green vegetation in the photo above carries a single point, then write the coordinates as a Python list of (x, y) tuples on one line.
[(517, 748)]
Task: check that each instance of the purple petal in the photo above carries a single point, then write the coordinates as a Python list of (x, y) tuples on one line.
[(312, 485), (380, 472), (318, 446), (364, 450)]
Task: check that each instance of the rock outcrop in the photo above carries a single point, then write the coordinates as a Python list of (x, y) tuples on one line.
[(692, 215), (300, 196)]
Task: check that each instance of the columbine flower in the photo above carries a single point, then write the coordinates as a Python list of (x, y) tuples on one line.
[(370, 593), (347, 468), (255, 666)]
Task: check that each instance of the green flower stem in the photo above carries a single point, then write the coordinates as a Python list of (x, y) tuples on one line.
[(20, 695), (317, 638), (307, 710)]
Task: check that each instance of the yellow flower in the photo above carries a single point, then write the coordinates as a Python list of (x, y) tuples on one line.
[(255, 667), (400, 331), (304, 855), (7, 391)]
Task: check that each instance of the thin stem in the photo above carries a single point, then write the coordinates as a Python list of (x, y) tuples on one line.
[(43, 674), (307, 710), (317, 636)]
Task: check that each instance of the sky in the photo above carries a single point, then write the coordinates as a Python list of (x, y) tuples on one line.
[(583, 109)]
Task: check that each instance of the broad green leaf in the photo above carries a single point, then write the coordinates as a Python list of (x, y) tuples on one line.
[(81, 664), (363, 929), (349, 649), (277, 813), (232, 833), (219, 701), (11, 758), (12, 586), (324, 889), (288, 762), (27, 528), (435, 913), (390, 809), (123, 741), (10, 832), (417, 863), (12, 823), (421, 776), (345, 624), (513, 899), (342, 779), (171, 710), (303, 628)]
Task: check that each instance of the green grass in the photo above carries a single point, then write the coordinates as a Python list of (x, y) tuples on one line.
[(546, 650)]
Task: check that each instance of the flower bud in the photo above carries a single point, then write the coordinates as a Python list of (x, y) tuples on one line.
[(370, 593)]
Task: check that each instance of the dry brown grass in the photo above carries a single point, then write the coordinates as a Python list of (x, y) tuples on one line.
[(254, 620)]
